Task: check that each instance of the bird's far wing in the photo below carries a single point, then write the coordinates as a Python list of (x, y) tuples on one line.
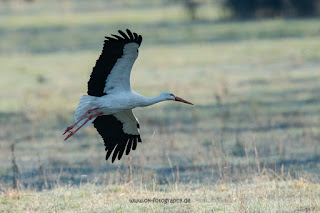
[(120, 132), (113, 68)]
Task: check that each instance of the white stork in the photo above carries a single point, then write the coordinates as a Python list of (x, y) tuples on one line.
[(110, 100)]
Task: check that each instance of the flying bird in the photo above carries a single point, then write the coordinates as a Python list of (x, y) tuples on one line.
[(110, 99)]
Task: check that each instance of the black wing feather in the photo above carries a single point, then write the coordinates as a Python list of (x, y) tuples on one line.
[(134, 144), (110, 39), (118, 37), (139, 39), (130, 34), (109, 151), (128, 147), (135, 36), (123, 34), (110, 128)]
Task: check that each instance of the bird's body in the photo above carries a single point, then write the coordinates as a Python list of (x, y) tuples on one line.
[(110, 99), (114, 103)]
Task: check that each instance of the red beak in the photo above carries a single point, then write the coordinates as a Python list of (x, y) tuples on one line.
[(182, 100)]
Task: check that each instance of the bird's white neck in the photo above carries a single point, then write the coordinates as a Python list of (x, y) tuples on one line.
[(147, 101)]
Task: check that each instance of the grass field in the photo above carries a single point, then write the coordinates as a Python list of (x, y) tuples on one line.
[(250, 143)]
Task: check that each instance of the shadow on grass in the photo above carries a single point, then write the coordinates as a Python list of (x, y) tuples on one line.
[(208, 174)]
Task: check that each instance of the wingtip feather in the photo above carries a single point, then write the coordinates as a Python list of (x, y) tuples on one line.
[(134, 146), (135, 36), (109, 151), (118, 37), (114, 156), (121, 151), (129, 145), (130, 34), (123, 34), (139, 39)]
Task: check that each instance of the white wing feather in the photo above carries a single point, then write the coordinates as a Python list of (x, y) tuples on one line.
[(119, 77), (129, 122)]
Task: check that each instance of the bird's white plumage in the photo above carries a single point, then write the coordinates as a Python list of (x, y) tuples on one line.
[(83, 106), (116, 102), (111, 104), (129, 122), (119, 78)]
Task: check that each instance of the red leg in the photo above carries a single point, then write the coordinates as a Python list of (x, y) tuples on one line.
[(87, 113), (91, 117)]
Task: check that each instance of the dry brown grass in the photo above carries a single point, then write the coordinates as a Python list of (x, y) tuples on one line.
[(259, 195)]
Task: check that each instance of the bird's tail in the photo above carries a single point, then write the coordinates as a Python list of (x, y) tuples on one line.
[(86, 103)]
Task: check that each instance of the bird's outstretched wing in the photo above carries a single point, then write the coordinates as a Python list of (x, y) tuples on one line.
[(112, 71), (113, 68), (120, 132)]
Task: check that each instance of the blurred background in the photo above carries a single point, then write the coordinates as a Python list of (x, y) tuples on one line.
[(251, 68)]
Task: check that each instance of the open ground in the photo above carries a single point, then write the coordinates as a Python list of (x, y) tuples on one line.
[(250, 143)]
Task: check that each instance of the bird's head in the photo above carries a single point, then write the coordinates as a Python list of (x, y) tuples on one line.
[(170, 96)]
